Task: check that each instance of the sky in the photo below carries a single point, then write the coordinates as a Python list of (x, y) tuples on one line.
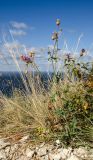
[(32, 22)]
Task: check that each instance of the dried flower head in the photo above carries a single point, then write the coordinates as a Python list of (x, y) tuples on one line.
[(55, 36), (58, 22), (31, 53), (82, 52)]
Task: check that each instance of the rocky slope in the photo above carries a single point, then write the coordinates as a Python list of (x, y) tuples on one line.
[(24, 150)]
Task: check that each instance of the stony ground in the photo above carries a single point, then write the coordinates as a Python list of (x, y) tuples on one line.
[(23, 150)]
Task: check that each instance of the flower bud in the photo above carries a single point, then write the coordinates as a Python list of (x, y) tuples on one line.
[(58, 22), (82, 52), (55, 36)]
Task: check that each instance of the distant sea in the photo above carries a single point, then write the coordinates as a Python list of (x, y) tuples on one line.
[(9, 81)]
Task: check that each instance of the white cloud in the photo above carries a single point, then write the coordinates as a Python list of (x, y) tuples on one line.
[(37, 50), (12, 45), (19, 28), (14, 48), (19, 25), (18, 32), (71, 30)]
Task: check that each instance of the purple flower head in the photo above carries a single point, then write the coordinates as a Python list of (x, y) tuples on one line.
[(26, 59)]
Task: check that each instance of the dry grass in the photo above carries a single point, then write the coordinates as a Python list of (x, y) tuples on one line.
[(64, 110)]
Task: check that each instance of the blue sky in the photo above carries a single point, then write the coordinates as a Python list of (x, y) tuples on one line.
[(39, 17)]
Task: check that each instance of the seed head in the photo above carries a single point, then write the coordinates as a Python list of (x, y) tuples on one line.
[(55, 36)]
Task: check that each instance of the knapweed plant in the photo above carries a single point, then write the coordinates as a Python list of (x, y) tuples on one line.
[(53, 55), (63, 111)]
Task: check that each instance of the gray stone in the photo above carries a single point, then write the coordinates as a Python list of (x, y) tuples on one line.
[(2, 154), (29, 153), (3, 144), (64, 153), (90, 154), (7, 150), (73, 157), (55, 156), (81, 152), (21, 151), (42, 151)]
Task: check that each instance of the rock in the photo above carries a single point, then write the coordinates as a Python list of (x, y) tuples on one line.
[(21, 151), (73, 157), (90, 154), (2, 155), (3, 144), (14, 148), (46, 157), (60, 154), (64, 153), (42, 151), (7, 150), (81, 152), (29, 153), (13, 151), (22, 158), (54, 156)]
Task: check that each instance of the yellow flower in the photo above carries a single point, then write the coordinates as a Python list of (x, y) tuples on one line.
[(85, 106)]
